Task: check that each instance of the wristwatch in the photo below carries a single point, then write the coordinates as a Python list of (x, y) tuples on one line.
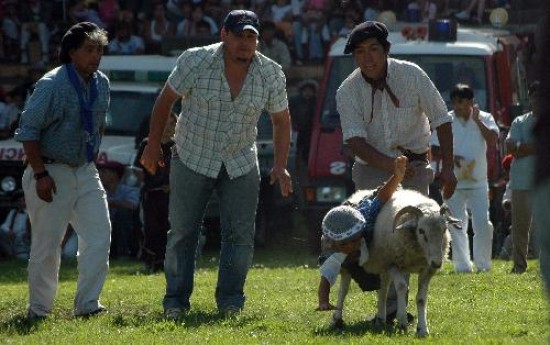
[(40, 175)]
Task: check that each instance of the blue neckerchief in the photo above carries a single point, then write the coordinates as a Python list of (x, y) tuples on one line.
[(86, 113)]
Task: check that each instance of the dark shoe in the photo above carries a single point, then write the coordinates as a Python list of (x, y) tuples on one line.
[(230, 310), (174, 314), (99, 310), (32, 317)]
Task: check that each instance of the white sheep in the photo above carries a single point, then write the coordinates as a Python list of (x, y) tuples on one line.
[(410, 236)]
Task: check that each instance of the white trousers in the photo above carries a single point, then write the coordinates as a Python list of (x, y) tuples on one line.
[(80, 200), (477, 201)]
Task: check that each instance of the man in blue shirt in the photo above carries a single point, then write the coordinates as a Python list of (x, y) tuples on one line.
[(61, 128)]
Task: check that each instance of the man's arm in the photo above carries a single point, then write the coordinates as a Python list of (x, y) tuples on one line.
[(447, 176), (369, 154), (490, 136), (281, 145), (152, 154), (45, 185)]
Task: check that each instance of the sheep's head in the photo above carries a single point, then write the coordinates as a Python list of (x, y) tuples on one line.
[(430, 229)]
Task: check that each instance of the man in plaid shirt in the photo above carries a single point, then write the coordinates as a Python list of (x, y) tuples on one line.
[(223, 88)]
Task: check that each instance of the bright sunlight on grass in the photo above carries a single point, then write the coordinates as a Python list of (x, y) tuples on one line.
[(489, 308)]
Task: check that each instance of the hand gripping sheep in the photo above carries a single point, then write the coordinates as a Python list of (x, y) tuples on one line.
[(410, 236)]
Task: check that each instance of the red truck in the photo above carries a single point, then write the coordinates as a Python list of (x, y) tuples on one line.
[(493, 59)]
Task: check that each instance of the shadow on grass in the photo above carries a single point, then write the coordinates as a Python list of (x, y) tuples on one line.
[(20, 325), (356, 329), (193, 319)]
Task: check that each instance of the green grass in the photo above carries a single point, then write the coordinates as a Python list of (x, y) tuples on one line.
[(491, 308)]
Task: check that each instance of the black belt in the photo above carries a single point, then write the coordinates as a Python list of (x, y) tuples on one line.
[(48, 160), (411, 156)]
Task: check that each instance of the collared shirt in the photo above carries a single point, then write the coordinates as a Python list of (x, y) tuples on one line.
[(52, 117), (408, 125), (522, 169), (470, 150), (214, 130)]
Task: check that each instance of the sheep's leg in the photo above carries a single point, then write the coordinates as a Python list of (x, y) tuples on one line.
[(385, 282), (422, 301), (401, 286), (345, 279)]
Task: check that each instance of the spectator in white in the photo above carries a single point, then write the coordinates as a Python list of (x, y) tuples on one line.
[(272, 47), (35, 18), (473, 131), (125, 42), (189, 27)]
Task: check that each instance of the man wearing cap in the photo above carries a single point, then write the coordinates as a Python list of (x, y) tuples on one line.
[(223, 88), (60, 128), (387, 107)]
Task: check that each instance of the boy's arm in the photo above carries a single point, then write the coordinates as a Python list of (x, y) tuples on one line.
[(324, 292), (386, 191)]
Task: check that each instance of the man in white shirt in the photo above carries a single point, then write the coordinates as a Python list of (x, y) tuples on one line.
[(474, 131), (386, 108)]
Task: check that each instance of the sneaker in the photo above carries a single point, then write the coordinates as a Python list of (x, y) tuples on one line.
[(173, 314), (99, 310), (33, 317)]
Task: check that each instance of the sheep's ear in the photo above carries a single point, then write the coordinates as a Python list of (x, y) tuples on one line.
[(410, 225)]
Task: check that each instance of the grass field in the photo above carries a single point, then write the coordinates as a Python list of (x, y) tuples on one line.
[(488, 308)]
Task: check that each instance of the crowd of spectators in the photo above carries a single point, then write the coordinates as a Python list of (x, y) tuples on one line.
[(306, 27)]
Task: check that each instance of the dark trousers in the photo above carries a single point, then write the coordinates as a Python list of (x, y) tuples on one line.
[(156, 225)]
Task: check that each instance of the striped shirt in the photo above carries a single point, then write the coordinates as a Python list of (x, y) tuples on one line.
[(407, 125), (214, 130), (52, 117)]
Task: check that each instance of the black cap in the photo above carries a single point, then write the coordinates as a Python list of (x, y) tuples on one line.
[(366, 30), (239, 20)]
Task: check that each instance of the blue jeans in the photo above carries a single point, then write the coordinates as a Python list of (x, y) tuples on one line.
[(189, 196)]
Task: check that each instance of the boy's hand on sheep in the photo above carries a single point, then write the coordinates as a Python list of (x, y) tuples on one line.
[(400, 167)]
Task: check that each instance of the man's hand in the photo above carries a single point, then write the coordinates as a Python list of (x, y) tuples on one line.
[(45, 188), (447, 180), (282, 176), (151, 158), (475, 112)]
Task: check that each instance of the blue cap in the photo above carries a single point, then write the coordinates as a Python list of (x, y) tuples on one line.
[(239, 20)]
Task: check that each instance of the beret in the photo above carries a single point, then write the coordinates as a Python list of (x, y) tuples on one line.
[(363, 31)]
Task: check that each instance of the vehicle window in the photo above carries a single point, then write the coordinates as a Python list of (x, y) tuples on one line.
[(127, 111)]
